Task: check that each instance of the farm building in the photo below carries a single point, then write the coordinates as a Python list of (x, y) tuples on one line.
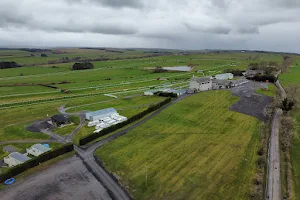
[(37, 149), (222, 84), (60, 120), (252, 73), (15, 159), (179, 92), (97, 115), (226, 76), (150, 92), (200, 84)]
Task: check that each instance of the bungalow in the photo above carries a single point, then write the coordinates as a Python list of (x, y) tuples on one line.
[(200, 84), (60, 120), (37, 149), (15, 159)]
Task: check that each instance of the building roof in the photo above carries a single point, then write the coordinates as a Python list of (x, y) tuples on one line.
[(226, 75), (201, 79), (18, 156), (222, 82), (41, 147), (60, 118), (153, 91), (102, 112)]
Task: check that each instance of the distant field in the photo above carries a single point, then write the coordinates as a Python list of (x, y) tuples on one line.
[(292, 77), (196, 149)]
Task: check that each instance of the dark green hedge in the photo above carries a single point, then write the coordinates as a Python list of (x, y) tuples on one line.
[(167, 94), (36, 161), (134, 118), (264, 78)]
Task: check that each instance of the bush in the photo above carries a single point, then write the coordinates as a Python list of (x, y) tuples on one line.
[(167, 94), (82, 66), (287, 105), (264, 78), (134, 118), (36, 161)]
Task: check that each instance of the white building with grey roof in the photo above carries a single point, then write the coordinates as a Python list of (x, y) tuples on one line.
[(97, 115), (200, 84), (15, 159), (37, 149)]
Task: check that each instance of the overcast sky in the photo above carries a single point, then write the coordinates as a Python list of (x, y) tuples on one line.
[(189, 24)]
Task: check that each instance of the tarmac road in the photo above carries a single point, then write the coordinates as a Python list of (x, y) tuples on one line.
[(273, 177)]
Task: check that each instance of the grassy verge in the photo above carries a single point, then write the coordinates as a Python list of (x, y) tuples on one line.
[(192, 151), (270, 92)]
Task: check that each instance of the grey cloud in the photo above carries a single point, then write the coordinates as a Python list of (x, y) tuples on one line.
[(248, 30), (285, 3), (122, 3), (217, 29), (113, 3), (156, 23), (102, 29)]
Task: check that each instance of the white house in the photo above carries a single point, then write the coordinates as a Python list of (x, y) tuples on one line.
[(201, 84), (37, 149), (97, 115), (226, 76), (15, 159)]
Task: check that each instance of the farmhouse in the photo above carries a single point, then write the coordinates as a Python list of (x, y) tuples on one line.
[(37, 149), (226, 76), (60, 120), (200, 84), (15, 159), (97, 115)]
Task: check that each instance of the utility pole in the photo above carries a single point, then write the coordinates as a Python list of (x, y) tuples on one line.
[(147, 167)]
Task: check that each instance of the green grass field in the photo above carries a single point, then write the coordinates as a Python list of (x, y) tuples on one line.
[(196, 149)]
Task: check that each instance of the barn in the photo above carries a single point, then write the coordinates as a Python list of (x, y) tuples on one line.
[(15, 159), (200, 84), (100, 114), (37, 149)]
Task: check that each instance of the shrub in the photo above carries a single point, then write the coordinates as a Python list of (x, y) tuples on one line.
[(264, 78), (82, 66)]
